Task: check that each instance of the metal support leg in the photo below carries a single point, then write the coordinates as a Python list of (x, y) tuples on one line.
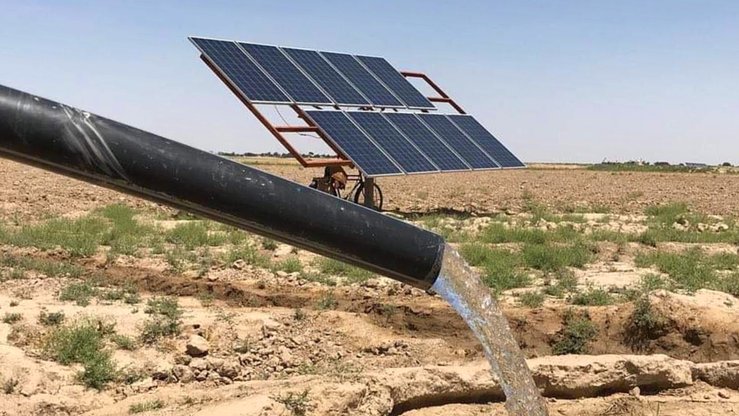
[(369, 192)]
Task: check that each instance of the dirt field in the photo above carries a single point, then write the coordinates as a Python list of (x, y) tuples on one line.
[(619, 287)]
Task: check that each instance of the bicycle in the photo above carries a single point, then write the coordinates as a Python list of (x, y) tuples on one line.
[(356, 194)]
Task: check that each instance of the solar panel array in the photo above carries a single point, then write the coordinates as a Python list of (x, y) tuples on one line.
[(286, 74), (243, 73), (378, 143), (352, 141), (327, 77)]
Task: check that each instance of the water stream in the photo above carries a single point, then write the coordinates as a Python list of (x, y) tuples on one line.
[(463, 289)]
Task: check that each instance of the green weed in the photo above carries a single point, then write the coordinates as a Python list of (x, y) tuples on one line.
[(337, 268), (165, 319), (578, 331), (193, 234), (269, 244), (146, 406), (79, 292), (50, 268), (327, 301), (79, 237), (644, 324), (566, 283), (692, 269), (532, 299), (12, 317), (551, 257), (319, 278), (291, 264), (82, 342), (497, 233), (51, 318), (592, 296), (248, 254), (123, 342), (296, 403)]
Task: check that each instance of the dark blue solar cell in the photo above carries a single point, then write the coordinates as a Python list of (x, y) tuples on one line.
[(286, 74), (326, 77), (362, 79), (486, 140), (355, 144), (396, 82), (240, 70), (393, 142), (426, 140), (473, 155)]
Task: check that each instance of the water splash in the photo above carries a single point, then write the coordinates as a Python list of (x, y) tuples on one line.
[(463, 289)]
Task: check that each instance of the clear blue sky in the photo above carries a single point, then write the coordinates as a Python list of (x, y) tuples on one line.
[(558, 81)]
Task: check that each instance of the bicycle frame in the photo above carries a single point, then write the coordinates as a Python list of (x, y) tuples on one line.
[(357, 179)]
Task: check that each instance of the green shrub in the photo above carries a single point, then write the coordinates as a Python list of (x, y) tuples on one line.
[(98, 370), (193, 234), (165, 320), (296, 403), (497, 233), (651, 282), (578, 331), (475, 254), (644, 324), (667, 213), (74, 343), (12, 317), (502, 271), (177, 259), (146, 406), (123, 342), (319, 278), (82, 342), (269, 244), (337, 268), (79, 237), (290, 265), (248, 254), (327, 301), (728, 284), (50, 268), (566, 283), (592, 297), (691, 270), (78, 292), (531, 299), (550, 257), (9, 385), (206, 298), (51, 318)]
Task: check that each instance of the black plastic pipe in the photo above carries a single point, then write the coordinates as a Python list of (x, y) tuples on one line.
[(76, 143)]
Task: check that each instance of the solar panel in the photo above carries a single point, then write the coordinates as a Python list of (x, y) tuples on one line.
[(354, 143), (235, 65), (327, 77), (396, 82), (470, 152), (486, 140), (426, 140), (362, 79), (286, 74), (385, 135)]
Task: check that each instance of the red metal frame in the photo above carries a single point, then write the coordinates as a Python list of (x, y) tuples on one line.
[(310, 127), (442, 98)]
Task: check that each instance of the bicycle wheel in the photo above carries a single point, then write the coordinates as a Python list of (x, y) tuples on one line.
[(376, 196)]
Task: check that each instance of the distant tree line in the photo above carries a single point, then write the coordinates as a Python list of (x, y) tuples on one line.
[(273, 154), (641, 165)]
